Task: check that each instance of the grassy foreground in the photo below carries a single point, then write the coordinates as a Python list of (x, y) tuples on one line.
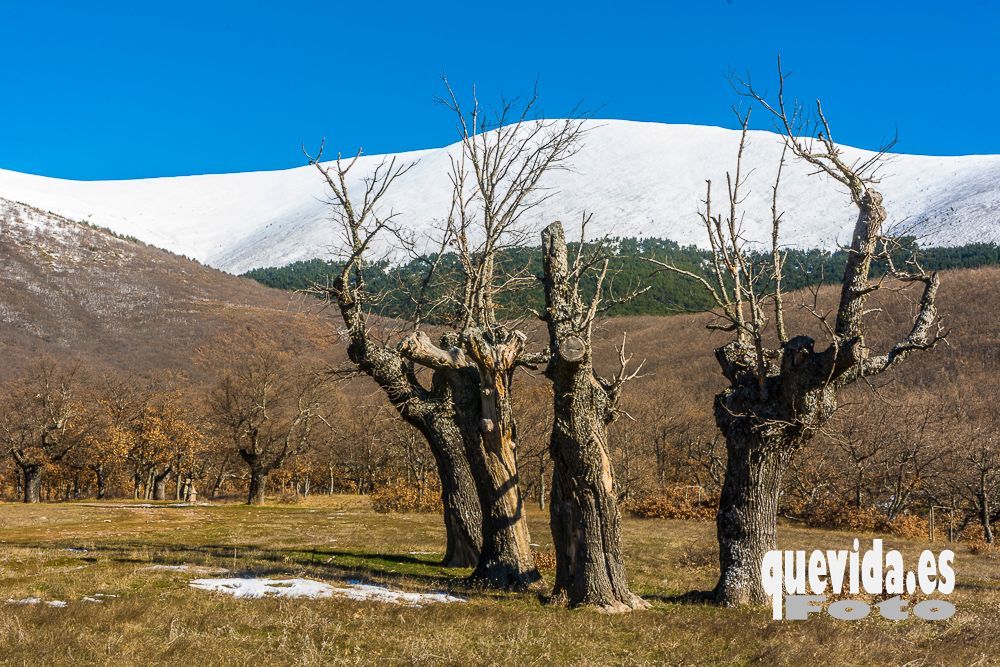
[(156, 618)]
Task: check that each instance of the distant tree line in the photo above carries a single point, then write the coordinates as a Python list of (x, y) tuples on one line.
[(665, 293)]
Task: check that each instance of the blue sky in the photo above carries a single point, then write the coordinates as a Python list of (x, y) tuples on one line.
[(132, 89)]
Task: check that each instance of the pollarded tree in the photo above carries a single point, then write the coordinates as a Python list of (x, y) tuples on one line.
[(269, 408), (497, 182), (37, 422), (430, 410), (779, 397), (466, 413), (585, 519)]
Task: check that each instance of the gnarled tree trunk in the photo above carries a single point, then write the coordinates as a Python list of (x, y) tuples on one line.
[(585, 519), (101, 479), (160, 484), (32, 473), (506, 560), (764, 422), (984, 511), (258, 486), (747, 516), (462, 516), (433, 414), (479, 388)]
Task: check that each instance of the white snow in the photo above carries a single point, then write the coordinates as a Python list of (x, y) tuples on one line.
[(308, 588), (639, 179), (359, 591), (34, 600), (258, 588)]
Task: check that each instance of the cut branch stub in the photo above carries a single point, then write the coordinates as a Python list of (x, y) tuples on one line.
[(572, 349), (417, 346)]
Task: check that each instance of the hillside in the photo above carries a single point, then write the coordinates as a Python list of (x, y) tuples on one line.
[(665, 292), (639, 180), (72, 289), (79, 292)]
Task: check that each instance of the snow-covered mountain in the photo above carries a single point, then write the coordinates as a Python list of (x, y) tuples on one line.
[(638, 179)]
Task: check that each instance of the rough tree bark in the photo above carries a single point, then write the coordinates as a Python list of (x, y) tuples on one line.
[(32, 473), (495, 181), (258, 486), (101, 478), (432, 412), (462, 515), (478, 368), (585, 519), (160, 484), (778, 399), (984, 510), (777, 402)]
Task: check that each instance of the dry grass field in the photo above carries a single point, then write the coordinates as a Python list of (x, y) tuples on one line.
[(73, 551)]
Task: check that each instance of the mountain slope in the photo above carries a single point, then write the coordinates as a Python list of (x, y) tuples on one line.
[(639, 179), (76, 292)]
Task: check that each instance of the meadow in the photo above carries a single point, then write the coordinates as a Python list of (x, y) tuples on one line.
[(106, 561)]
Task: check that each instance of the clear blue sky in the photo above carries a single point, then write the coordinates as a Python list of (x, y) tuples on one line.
[(112, 89)]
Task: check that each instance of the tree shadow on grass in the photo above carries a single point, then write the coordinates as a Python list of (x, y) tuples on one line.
[(706, 598), (329, 563)]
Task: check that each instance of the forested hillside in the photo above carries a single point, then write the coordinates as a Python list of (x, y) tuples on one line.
[(666, 293)]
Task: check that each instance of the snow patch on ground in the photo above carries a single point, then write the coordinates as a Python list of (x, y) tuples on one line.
[(258, 588), (34, 600), (359, 591), (308, 588)]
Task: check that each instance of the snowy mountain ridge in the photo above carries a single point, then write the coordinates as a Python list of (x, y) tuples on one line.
[(638, 179)]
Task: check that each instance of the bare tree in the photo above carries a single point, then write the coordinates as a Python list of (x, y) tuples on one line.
[(978, 478), (779, 398), (497, 180), (37, 422), (585, 519), (430, 410), (269, 408)]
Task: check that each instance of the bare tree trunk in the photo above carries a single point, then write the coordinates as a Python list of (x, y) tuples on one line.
[(32, 482), (160, 484), (482, 401), (585, 520), (541, 483), (102, 483), (462, 515), (220, 478), (258, 485), (984, 511), (748, 509), (434, 415)]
